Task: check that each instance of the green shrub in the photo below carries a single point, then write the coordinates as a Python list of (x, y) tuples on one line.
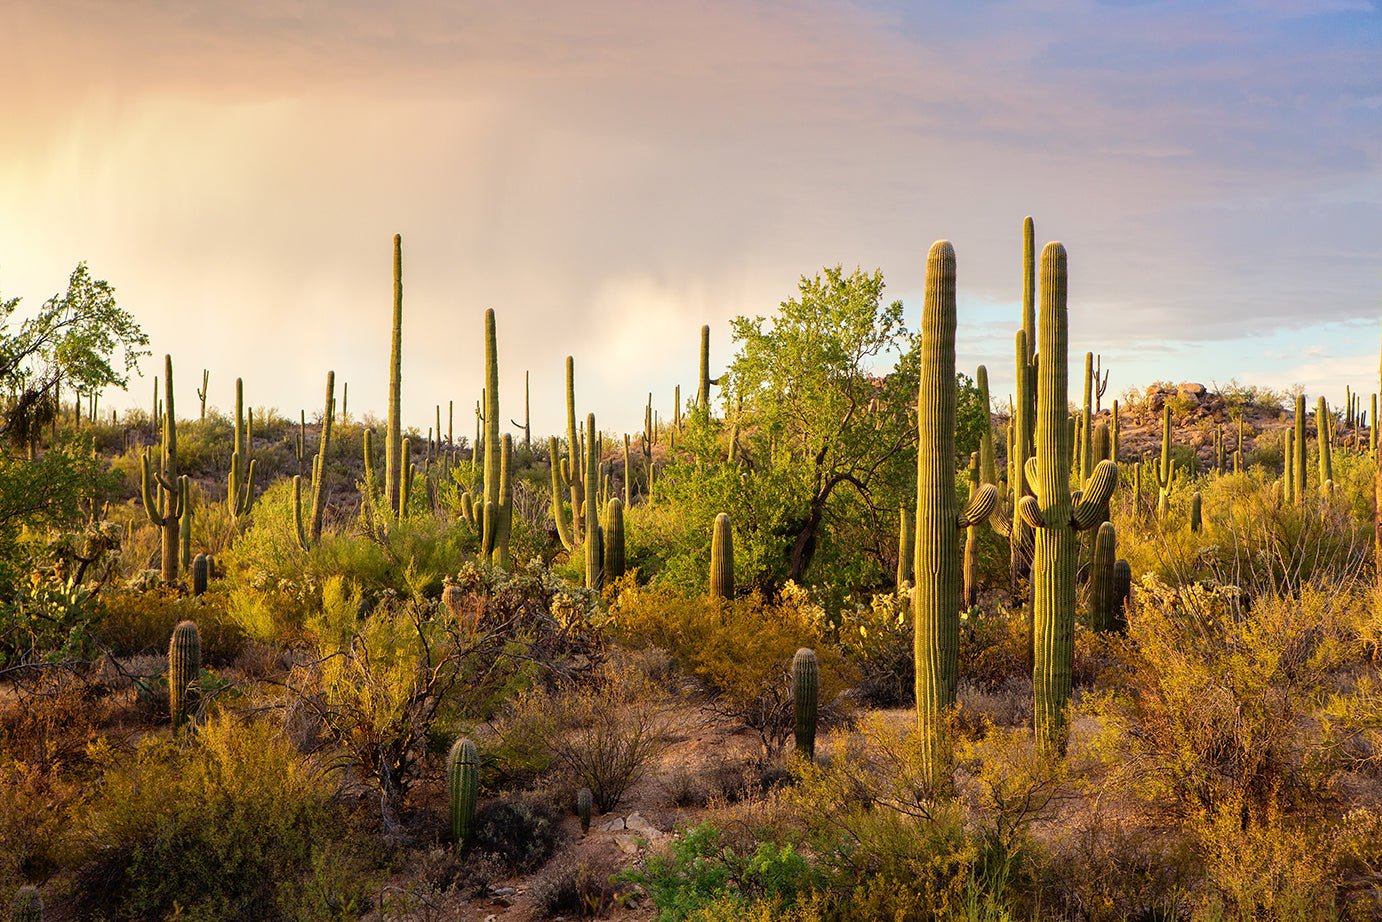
[(741, 649), (237, 826), (697, 874)]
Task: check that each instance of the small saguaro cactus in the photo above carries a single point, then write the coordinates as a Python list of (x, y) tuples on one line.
[(1122, 592), (240, 481), (28, 905), (462, 785), (585, 805), (201, 571), (614, 539), (1102, 589), (806, 680), (1196, 511), (184, 668), (722, 558), (1324, 435)]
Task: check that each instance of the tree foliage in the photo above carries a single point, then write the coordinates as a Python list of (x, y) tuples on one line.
[(80, 339)]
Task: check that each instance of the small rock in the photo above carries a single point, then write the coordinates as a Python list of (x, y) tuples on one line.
[(614, 825), (637, 823), (627, 844)]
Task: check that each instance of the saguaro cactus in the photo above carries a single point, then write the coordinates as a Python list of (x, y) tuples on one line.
[(240, 483), (906, 536), (806, 681), (614, 539), (1196, 511), (184, 667), (503, 524), (1103, 593), (394, 463), (1054, 515), (1324, 435), (722, 558), (1298, 461), (462, 784), (493, 449), (163, 493), (703, 394), (585, 802), (1166, 470), (939, 521), (594, 563), (201, 570)]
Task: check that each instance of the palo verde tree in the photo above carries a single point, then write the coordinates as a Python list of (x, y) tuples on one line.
[(80, 340)]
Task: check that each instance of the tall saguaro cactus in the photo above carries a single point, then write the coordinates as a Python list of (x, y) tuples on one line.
[(1298, 461), (164, 495), (906, 549), (939, 521), (1053, 514), (393, 441), (703, 394), (614, 539), (1166, 470), (240, 483), (594, 553)]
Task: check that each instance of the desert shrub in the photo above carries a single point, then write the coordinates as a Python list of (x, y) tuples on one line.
[(1260, 865), (877, 641), (131, 623), (885, 848), (237, 825), (33, 807), (520, 833), (1220, 700), (740, 650), (575, 887), (697, 872), (411, 672), (606, 734)]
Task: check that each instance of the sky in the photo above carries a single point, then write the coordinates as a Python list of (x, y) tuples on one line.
[(610, 175)]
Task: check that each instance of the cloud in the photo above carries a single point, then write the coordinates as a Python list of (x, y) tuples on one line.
[(609, 176)]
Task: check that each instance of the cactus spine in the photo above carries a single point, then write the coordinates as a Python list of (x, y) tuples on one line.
[(1053, 515), (806, 680), (162, 491), (1102, 591), (462, 784), (936, 597), (614, 539), (722, 558), (184, 667), (394, 462)]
